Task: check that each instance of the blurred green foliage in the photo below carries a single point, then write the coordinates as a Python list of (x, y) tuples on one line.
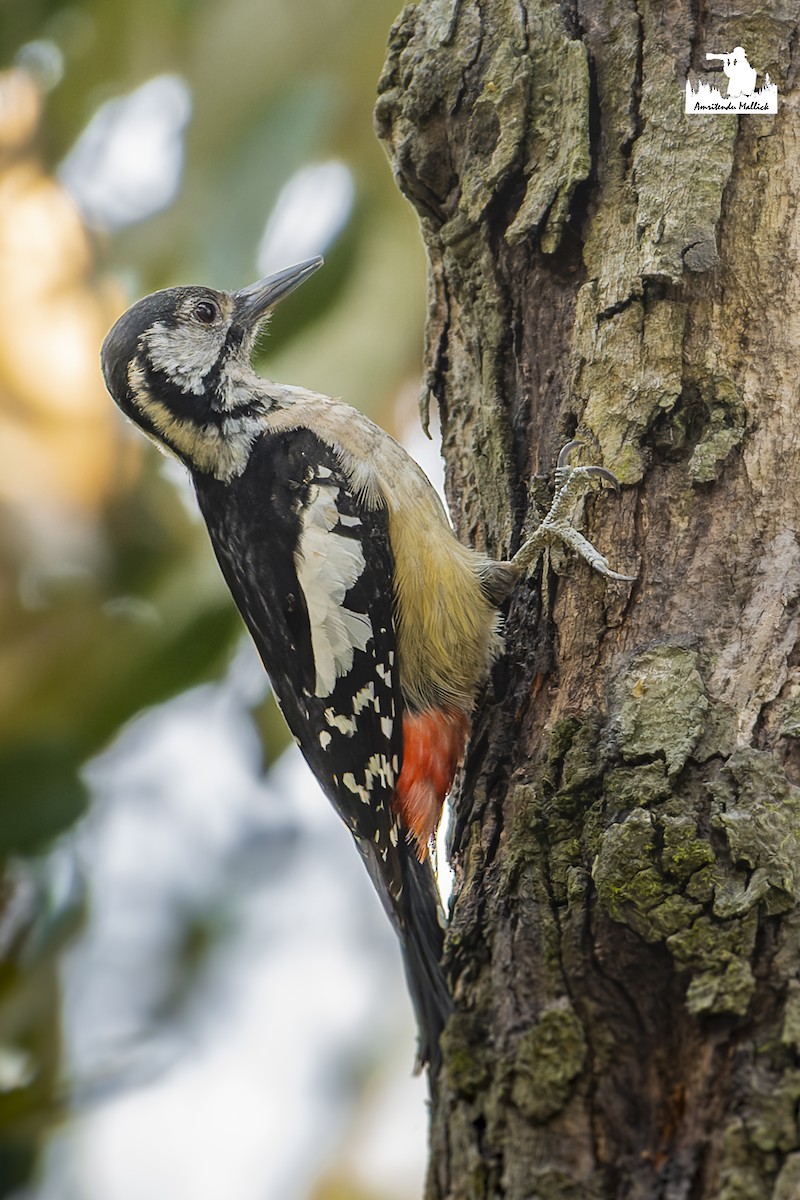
[(109, 597)]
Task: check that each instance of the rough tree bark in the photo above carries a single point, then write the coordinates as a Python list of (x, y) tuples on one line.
[(625, 936)]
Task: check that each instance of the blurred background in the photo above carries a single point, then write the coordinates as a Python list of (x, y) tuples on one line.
[(199, 993)]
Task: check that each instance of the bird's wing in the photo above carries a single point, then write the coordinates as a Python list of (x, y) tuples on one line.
[(309, 565)]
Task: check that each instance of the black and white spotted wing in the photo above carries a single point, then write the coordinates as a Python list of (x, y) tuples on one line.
[(308, 565)]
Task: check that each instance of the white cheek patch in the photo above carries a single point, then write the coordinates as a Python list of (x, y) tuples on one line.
[(185, 353), (328, 565)]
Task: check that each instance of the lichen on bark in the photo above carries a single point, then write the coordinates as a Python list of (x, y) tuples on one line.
[(659, 706)]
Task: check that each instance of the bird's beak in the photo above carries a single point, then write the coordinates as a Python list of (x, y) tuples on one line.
[(253, 302)]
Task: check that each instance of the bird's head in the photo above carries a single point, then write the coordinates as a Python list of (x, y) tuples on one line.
[(178, 364)]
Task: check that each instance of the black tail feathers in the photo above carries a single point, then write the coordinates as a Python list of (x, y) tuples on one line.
[(422, 937)]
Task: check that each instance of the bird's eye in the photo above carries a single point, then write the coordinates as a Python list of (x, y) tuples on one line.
[(206, 311)]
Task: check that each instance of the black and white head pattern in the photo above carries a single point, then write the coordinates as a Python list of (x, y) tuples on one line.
[(177, 364)]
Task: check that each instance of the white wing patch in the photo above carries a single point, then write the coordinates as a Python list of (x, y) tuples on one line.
[(378, 767), (365, 698), (328, 565), (345, 725)]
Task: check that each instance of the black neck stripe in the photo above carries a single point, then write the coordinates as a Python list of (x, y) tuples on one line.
[(186, 406)]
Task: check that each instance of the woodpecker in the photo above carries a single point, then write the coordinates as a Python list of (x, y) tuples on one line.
[(376, 626)]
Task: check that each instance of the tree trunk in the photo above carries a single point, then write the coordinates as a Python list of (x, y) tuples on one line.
[(625, 933)]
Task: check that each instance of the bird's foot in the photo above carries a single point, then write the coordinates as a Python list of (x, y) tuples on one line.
[(571, 485)]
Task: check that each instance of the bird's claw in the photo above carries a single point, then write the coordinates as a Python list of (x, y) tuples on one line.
[(571, 483), (562, 466), (603, 473), (563, 457)]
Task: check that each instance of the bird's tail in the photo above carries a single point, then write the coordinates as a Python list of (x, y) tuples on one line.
[(422, 937)]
